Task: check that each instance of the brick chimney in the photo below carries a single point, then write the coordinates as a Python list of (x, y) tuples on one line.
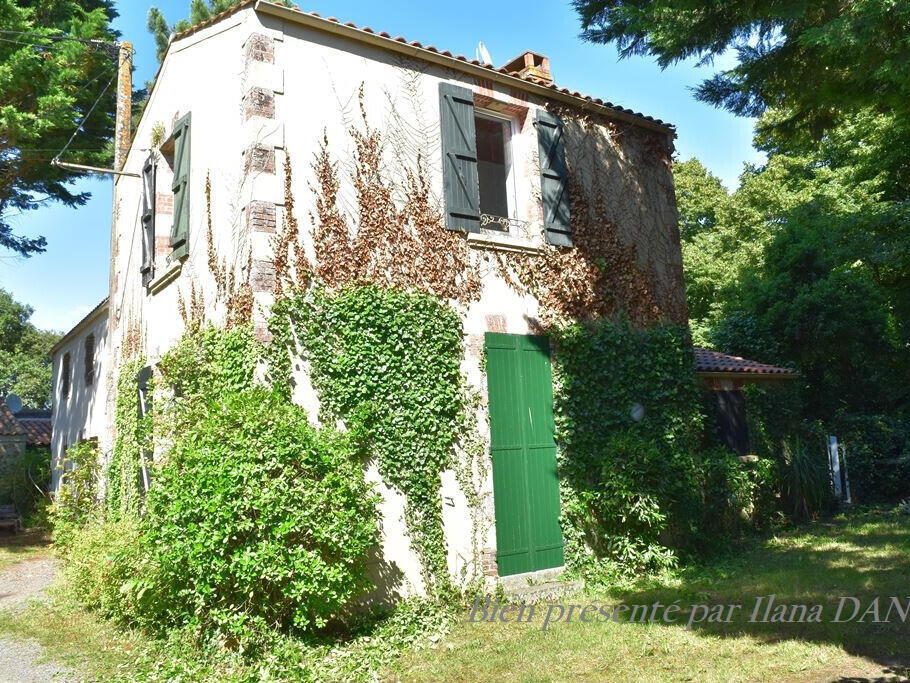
[(124, 105), (531, 64)]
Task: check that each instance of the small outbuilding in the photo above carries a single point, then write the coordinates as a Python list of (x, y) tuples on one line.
[(12, 434), (725, 376)]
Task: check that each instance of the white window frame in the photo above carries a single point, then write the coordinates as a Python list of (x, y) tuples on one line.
[(511, 185)]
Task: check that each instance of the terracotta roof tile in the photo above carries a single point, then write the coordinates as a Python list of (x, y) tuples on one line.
[(9, 425), (37, 430), (446, 53), (709, 361)]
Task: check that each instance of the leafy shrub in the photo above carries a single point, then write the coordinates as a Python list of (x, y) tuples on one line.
[(108, 568), (211, 362), (628, 488), (77, 499), (24, 479), (804, 479), (765, 476), (737, 497), (878, 455), (627, 514), (258, 520)]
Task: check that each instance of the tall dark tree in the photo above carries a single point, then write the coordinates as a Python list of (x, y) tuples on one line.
[(56, 56), (813, 61), (25, 354)]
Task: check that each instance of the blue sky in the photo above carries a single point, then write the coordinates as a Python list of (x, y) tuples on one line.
[(68, 280)]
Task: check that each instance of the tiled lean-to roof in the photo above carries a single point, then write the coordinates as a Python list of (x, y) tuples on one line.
[(457, 61), (37, 429), (708, 361), (9, 425)]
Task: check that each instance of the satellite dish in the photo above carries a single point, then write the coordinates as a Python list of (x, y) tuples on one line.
[(482, 55), (14, 403)]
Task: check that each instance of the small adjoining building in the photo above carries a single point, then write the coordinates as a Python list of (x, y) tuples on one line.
[(12, 434), (725, 376)]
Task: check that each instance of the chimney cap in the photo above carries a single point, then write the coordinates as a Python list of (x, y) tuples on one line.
[(530, 64)]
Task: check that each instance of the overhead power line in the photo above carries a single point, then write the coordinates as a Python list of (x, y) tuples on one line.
[(85, 118), (109, 48), (87, 41)]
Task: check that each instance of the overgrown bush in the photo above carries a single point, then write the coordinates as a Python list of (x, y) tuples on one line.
[(258, 520), (632, 509), (211, 362), (736, 497), (629, 488), (256, 526), (77, 500), (878, 455), (24, 480), (108, 567)]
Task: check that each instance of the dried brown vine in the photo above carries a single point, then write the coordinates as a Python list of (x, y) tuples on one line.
[(602, 274), (192, 308), (287, 242), (235, 292), (404, 246)]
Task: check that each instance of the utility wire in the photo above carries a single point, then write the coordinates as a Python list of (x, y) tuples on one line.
[(111, 49), (86, 41), (84, 118)]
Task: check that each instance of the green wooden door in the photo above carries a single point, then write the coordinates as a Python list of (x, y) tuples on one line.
[(525, 487)]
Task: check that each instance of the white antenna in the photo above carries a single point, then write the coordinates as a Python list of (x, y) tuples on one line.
[(481, 54)]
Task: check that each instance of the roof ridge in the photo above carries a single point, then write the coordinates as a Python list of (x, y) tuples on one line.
[(430, 48)]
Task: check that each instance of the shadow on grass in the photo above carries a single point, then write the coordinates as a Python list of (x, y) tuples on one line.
[(863, 557), (25, 543)]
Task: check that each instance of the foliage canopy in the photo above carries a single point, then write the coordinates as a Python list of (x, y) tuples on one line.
[(813, 62), (50, 76), (25, 354)]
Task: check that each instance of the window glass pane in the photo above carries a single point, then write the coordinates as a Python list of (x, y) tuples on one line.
[(492, 169)]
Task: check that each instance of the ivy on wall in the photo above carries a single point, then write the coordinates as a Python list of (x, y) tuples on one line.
[(629, 488), (386, 362), (130, 440)]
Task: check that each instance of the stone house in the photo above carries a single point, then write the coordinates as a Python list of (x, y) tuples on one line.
[(494, 188), (79, 390)]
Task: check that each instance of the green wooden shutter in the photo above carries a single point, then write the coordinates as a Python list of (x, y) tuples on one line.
[(525, 484), (148, 219), (459, 158), (554, 179), (181, 188)]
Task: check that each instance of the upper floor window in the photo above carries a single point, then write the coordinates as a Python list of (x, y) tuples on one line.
[(90, 360), (168, 169), (478, 170), (65, 375), (494, 168)]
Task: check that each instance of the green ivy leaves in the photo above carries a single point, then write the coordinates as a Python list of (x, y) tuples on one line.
[(387, 362)]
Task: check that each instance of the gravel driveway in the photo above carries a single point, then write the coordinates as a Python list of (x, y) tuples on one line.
[(25, 580), (22, 661)]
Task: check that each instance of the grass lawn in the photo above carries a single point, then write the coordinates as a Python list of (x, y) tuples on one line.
[(22, 546), (863, 556)]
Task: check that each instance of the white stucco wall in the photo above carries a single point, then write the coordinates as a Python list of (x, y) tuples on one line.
[(315, 78), (83, 413)]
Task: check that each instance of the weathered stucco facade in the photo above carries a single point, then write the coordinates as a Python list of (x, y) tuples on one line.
[(80, 403), (343, 124)]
